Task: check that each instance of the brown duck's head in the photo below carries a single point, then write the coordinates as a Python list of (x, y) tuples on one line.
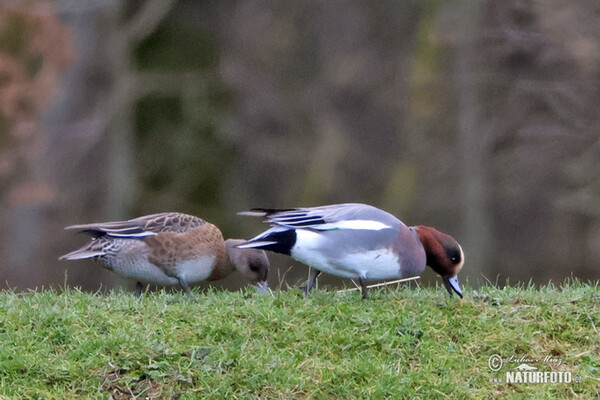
[(444, 256), (252, 263)]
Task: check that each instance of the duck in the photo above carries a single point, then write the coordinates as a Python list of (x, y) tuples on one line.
[(357, 241), (168, 249)]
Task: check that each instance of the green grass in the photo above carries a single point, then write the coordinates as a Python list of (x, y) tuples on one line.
[(401, 343)]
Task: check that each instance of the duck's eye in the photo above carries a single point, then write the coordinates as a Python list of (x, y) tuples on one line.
[(453, 255), (254, 267)]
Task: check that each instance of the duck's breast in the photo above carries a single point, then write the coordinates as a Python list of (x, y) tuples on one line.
[(197, 269)]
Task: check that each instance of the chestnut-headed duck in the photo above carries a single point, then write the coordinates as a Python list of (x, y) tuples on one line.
[(167, 249), (358, 241)]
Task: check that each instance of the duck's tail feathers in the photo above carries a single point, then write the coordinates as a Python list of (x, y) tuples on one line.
[(277, 239), (82, 254), (264, 212), (254, 245)]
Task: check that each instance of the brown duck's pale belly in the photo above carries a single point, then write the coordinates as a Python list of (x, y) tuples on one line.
[(138, 267)]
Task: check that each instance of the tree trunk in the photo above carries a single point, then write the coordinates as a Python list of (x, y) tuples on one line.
[(472, 147)]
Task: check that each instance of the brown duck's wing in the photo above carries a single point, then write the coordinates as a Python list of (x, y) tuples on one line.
[(148, 225)]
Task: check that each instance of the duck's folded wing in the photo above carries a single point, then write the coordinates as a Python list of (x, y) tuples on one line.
[(141, 227), (340, 216)]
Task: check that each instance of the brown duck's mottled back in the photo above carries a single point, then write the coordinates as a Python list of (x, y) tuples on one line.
[(142, 226), (171, 222)]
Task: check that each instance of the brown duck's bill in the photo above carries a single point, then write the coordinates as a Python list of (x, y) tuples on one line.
[(452, 286), (262, 287)]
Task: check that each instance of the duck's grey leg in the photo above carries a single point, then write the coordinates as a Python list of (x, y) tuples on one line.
[(138, 289), (184, 285), (311, 281), (363, 285)]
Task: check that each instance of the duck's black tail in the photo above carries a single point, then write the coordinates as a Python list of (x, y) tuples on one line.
[(277, 240)]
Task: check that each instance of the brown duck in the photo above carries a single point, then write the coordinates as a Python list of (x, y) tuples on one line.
[(167, 249)]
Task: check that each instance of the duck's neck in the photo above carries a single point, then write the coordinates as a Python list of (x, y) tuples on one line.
[(223, 264), (431, 245)]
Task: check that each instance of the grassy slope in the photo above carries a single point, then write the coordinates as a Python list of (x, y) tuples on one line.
[(402, 343)]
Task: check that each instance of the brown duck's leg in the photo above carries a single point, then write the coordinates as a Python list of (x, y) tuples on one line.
[(184, 285), (363, 285), (311, 281)]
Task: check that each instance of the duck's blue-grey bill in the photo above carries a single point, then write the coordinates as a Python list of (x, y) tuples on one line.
[(452, 286), (262, 287)]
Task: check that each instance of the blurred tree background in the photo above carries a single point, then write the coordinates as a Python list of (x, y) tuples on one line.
[(478, 118)]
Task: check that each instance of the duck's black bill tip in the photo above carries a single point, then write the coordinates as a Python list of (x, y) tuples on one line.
[(452, 286)]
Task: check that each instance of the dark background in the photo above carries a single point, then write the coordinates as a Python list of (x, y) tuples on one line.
[(477, 117)]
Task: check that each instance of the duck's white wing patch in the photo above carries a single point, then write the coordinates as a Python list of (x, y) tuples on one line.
[(358, 224), (131, 235)]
